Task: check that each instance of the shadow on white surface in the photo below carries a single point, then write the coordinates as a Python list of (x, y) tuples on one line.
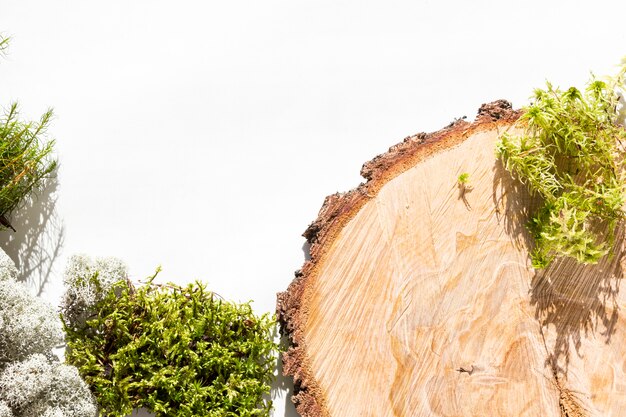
[(282, 390), (36, 245), (306, 248)]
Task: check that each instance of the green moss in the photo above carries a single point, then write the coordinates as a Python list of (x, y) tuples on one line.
[(571, 155), (178, 351)]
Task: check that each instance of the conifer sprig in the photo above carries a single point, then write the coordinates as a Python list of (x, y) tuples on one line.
[(25, 154), (25, 157)]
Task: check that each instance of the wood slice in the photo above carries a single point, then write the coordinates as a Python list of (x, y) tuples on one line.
[(419, 298)]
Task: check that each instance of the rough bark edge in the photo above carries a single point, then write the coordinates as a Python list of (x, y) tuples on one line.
[(337, 210)]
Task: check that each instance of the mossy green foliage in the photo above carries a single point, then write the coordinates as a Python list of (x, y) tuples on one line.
[(25, 154), (177, 351), (571, 155)]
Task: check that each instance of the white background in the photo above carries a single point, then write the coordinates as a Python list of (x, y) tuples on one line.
[(203, 136)]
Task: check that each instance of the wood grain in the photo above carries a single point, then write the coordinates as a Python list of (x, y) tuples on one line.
[(419, 298)]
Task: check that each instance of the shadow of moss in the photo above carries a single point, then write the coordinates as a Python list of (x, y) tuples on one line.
[(571, 301), (577, 300)]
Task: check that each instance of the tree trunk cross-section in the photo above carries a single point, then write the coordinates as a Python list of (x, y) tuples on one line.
[(419, 298)]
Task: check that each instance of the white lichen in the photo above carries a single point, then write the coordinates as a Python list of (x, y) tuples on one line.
[(5, 411), (87, 282), (33, 383), (21, 382), (28, 324), (39, 387), (8, 271), (54, 412)]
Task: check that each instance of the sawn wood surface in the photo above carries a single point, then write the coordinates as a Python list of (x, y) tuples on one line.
[(419, 298)]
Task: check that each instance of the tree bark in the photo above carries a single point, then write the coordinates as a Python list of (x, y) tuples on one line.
[(419, 298)]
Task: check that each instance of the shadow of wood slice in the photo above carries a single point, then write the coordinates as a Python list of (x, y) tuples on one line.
[(419, 298)]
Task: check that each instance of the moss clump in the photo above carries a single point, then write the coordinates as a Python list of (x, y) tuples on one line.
[(177, 351), (571, 155)]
